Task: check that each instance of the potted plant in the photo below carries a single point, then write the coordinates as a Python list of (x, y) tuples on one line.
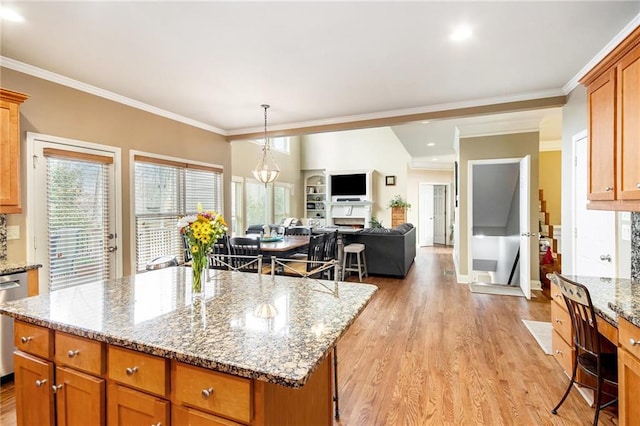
[(398, 210)]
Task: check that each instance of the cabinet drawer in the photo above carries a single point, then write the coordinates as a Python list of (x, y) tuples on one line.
[(188, 416), (561, 322), (139, 370), (80, 353), (562, 352), (229, 396), (627, 333), (33, 339), (556, 296)]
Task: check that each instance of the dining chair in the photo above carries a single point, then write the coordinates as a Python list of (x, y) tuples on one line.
[(244, 254), (297, 230), (313, 260), (330, 251), (588, 354), (186, 250), (219, 254)]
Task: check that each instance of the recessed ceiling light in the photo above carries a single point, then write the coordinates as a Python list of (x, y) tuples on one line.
[(462, 32), (10, 15), (435, 159), (424, 122), (431, 144)]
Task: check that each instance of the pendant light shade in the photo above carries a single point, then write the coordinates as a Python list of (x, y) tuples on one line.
[(267, 169)]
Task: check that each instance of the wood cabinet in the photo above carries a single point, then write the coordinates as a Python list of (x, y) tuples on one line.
[(628, 374), (398, 216), (613, 96), (10, 150), (70, 380), (562, 334)]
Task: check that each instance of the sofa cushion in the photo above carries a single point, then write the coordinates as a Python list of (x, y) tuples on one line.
[(378, 231), (403, 228)]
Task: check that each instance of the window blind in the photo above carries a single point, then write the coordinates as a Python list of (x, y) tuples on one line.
[(165, 191), (78, 218)]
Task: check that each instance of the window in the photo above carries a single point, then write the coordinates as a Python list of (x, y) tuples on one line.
[(281, 144), (256, 203), (281, 202), (165, 190), (237, 206)]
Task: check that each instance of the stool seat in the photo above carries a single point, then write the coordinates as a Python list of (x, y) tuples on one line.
[(354, 248), (357, 250)]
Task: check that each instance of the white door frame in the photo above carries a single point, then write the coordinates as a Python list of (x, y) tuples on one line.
[(470, 165), (425, 210), (28, 164), (449, 207)]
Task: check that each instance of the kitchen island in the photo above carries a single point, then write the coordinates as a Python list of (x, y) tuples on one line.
[(256, 350)]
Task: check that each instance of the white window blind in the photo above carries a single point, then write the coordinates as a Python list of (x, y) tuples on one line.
[(165, 191), (78, 217)]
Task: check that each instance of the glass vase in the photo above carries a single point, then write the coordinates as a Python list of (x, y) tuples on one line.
[(198, 267)]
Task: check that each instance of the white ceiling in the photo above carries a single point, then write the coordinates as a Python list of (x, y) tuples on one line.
[(214, 63)]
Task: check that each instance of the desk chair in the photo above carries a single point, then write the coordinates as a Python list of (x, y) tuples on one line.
[(588, 354)]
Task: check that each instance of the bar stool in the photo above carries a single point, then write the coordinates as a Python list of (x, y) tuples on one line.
[(356, 249)]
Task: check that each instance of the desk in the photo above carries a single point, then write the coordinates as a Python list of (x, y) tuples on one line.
[(285, 247)]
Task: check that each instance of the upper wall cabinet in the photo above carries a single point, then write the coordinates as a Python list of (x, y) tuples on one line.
[(613, 94), (10, 150)]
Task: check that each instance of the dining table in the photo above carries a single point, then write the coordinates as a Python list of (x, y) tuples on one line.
[(283, 246)]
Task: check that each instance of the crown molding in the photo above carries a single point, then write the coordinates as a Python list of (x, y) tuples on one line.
[(555, 145), (93, 90), (628, 29)]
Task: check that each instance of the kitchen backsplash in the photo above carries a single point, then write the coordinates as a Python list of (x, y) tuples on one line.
[(635, 246), (3, 237)]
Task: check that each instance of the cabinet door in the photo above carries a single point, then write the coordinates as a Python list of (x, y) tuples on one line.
[(80, 398), (9, 158), (130, 407), (602, 126), (189, 416), (628, 110), (34, 396), (629, 388)]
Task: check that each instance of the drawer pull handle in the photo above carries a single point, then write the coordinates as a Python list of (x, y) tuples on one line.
[(638, 185), (157, 424), (608, 188), (41, 382), (131, 370), (558, 351), (206, 393), (71, 354), (557, 295), (55, 388), (634, 342), (558, 320), (25, 339)]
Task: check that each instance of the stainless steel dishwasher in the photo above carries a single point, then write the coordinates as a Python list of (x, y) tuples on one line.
[(12, 287)]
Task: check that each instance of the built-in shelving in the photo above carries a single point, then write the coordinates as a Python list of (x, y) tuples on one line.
[(315, 196)]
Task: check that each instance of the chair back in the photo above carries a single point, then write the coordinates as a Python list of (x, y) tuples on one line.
[(244, 252), (330, 250), (220, 251), (186, 250), (583, 317), (297, 230), (315, 251)]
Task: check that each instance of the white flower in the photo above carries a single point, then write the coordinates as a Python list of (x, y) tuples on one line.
[(186, 220)]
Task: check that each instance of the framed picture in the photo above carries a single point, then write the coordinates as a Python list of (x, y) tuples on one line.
[(390, 180)]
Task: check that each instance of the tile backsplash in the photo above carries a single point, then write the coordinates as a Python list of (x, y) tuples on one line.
[(3, 237), (635, 246)]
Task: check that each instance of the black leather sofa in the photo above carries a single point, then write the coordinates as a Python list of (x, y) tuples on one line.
[(388, 251)]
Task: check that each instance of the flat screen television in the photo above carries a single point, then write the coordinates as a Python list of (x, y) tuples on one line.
[(349, 185)]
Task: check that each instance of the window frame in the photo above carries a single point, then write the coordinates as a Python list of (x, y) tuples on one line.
[(168, 160)]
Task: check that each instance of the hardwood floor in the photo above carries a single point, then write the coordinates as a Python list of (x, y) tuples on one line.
[(427, 351)]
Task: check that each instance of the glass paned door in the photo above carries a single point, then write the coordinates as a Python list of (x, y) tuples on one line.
[(75, 238)]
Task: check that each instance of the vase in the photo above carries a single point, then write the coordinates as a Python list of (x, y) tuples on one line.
[(198, 267)]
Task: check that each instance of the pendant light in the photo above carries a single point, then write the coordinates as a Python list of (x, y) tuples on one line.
[(267, 170)]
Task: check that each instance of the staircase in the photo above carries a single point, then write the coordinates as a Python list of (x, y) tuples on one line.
[(548, 236)]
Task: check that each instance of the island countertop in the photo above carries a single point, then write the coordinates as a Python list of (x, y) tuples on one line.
[(273, 329), (12, 267), (612, 297)]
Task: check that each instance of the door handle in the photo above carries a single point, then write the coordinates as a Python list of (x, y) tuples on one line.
[(526, 234), (112, 249), (605, 257)]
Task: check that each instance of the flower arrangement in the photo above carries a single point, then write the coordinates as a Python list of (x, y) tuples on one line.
[(201, 230)]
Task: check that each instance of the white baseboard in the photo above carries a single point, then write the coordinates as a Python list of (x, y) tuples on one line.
[(536, 285)]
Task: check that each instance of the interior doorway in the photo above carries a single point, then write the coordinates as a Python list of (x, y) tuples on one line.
[(433, 214), (499, 242)]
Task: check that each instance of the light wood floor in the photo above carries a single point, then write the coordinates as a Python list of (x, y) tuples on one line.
[(427, 351)]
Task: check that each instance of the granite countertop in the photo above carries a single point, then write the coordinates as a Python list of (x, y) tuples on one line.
[(612, 297), (11, 267), (153, 313)]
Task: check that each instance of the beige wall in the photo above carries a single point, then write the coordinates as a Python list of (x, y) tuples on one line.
[(550, 181), (245, 156), (56, 110), (370, 149), (417, 176), (494, 147)]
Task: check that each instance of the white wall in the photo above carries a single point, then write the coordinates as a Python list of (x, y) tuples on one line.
[(370, 149)]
